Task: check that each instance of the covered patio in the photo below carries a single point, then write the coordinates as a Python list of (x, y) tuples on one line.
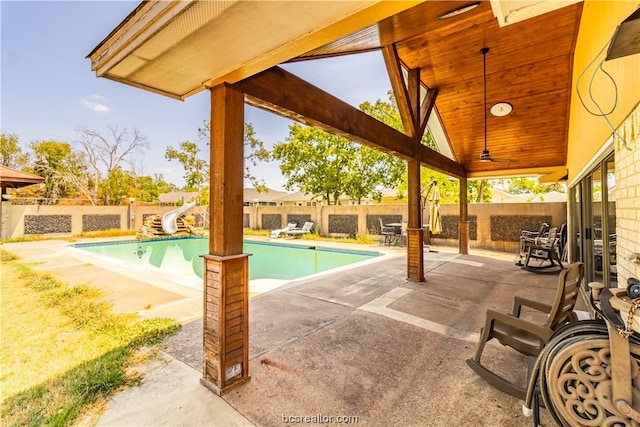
[(432, 51), (363, 343)]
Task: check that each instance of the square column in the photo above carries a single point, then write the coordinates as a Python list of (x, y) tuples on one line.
[(226, 270), (226, 332), (415, 253), (463, 224)]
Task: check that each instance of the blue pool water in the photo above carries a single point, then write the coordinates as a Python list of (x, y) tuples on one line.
[(268, 261)]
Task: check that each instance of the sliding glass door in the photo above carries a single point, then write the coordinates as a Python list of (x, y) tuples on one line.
[(593, 220)]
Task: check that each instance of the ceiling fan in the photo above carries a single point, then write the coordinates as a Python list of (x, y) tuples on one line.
[(486, 155)]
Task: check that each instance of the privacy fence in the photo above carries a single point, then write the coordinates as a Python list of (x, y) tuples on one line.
[(493, 226)]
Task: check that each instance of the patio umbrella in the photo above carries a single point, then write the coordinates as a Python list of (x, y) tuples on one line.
[(435, 222)]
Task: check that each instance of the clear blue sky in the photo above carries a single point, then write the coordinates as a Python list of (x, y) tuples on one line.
[(48, 89)]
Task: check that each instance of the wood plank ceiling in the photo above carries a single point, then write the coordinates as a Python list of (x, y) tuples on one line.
[(529, 65)]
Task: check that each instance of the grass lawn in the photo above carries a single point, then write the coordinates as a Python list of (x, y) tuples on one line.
[(63, 349)]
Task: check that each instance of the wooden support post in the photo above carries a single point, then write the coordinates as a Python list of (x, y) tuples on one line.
[(463, 225), (226, 280), (415, 253)]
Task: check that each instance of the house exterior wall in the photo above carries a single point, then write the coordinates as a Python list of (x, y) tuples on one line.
[(627, 193), (587, 132)]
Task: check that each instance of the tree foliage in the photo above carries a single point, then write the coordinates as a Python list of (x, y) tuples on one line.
[(94, 170), (11, 154), (478, 191), (528, 185), (329, 166), (197, 169), (314, 161), (63, 169), (121, 185)]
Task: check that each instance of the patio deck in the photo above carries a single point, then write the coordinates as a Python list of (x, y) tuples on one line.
[(362, 343)]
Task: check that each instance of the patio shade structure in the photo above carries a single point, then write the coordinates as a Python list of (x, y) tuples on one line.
[(430, 48), (12, 178)]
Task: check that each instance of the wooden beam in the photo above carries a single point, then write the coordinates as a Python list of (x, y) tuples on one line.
[(227, 171), (413, 88), (281, 92), (407, 110), (426, 108)]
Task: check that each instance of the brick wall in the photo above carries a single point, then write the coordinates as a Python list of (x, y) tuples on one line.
[(627, 193)]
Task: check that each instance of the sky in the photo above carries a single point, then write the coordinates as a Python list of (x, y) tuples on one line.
[(48, 91)]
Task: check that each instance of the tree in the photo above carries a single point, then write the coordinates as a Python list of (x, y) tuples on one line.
[(11, 154), (106, 153), (120, 185), (371, 170), (315, 161), (330, 166), (197, 170), (63, 170), (478, 191), (529, 185)]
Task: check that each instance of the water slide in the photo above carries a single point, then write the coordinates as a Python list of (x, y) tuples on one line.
[(169, 220)]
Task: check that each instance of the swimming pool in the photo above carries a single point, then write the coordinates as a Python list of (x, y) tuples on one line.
[(181, 257)]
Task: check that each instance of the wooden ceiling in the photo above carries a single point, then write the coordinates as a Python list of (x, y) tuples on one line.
[(529, 65)]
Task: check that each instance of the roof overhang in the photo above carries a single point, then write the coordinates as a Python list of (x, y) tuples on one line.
[(12, 178), (179, 48)]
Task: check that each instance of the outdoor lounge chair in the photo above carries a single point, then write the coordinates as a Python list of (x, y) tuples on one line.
[(276, 233), (525, 336), (307, 228)]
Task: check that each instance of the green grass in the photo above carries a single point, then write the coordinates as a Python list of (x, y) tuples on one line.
[(63, 349)]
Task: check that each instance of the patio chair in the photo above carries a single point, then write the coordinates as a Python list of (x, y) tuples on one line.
[(401, 234), (525, 336), (529, 237), (388, 234), (307, 228), (546, 251)]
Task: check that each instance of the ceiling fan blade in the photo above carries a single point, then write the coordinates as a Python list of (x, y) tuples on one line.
[(502, 160)]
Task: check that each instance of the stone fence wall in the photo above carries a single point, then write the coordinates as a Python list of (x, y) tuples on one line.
[(492, 226), (24, 220)]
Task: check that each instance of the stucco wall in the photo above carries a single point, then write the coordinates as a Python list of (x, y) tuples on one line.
[(20, 220), (507, 219), (627, 193)]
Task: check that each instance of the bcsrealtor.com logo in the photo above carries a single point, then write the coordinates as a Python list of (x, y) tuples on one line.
[(319, 419)]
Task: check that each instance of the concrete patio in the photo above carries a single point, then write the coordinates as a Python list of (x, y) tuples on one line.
[(364, 343)]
